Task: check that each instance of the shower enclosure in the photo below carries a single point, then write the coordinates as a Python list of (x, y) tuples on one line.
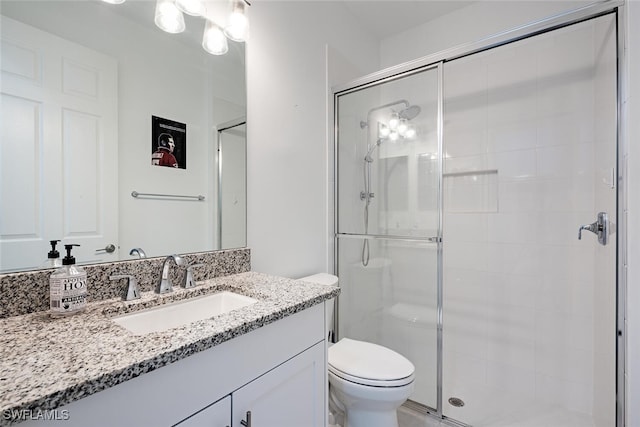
[(463, 186)]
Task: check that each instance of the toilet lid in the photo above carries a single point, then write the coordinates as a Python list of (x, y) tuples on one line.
[(369, 364)]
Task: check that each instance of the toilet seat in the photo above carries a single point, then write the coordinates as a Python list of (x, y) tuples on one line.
[(401, 382), (369, 364)]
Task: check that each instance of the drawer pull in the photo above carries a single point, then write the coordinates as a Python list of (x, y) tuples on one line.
[(247, 422)]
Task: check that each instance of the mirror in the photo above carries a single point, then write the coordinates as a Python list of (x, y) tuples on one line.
[(88, 88)]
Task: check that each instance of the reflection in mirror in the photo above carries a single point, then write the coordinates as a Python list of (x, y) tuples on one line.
[(232, 186), (81, 81)]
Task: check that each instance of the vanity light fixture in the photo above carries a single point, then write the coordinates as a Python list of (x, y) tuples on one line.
[(213, 39), (168, 17), (114, 1), (237, 28), (191, 7)]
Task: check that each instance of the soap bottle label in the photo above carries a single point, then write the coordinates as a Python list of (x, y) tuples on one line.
[(68, 294)]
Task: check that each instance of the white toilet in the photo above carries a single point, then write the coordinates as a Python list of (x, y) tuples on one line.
[(367, 381)]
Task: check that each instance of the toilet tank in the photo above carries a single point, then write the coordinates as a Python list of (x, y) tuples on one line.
[(328, 280)]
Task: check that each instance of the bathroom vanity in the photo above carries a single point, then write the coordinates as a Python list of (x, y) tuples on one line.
[(267, 359)]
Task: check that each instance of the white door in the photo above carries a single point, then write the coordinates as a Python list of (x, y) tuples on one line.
[(291, 395), (59, 148)]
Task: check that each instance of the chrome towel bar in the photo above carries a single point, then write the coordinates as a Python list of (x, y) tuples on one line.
[(177, 196)]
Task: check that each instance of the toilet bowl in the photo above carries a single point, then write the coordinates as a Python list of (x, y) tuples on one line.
[(367, 381)]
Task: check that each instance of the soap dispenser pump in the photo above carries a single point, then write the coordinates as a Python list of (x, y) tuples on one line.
[(53, 258), (68, 287)]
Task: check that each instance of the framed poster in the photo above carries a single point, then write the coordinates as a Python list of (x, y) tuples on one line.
[(168, 143)]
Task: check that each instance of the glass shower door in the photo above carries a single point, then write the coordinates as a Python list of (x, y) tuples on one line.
[(388, 226), (530, 156)]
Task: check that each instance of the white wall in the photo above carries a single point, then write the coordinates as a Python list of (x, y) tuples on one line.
[(287, 87)]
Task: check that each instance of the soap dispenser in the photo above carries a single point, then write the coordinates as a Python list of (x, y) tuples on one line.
[(68, 287), (53, 258)]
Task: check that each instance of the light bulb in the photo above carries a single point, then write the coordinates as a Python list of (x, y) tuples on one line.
[(410, 132), (394, 121), (402, 127), (213, 39), (191, 7), (393, 136), (383, 131), (237, 28), (168, 17)]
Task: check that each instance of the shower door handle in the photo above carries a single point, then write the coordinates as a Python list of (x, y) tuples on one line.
[(600, 228)]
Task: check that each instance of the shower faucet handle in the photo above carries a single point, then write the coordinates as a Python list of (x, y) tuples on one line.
[(600, 228), (590, 227)]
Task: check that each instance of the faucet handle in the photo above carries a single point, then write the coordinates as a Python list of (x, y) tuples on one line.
[(133, 292), (187, 279)]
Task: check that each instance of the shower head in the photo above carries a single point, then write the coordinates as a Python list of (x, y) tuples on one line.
[(410, 112)]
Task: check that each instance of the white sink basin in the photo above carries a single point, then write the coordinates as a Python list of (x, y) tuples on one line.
[(180, 313)]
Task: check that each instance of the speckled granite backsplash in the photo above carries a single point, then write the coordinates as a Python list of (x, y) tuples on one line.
[(22, 293)]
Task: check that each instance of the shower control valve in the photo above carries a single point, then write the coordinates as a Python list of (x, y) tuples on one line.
[(363, 195), (600, 228)]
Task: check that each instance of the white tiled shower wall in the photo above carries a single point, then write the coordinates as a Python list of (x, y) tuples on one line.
[(522, 309)]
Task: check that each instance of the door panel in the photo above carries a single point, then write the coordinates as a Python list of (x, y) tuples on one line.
[(60, 140), (389, 187), (291, 395), (529, 310), (216, 415)]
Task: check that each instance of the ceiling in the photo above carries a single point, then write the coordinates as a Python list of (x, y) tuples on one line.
[(384, 18)]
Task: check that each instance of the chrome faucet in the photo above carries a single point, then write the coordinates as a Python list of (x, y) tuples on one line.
[(139, 252), (164, 284)]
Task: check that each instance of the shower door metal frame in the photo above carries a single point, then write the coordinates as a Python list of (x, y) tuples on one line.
[(558, 21), (222, 128)]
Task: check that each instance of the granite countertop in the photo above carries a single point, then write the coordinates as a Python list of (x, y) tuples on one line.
[(46, 363)]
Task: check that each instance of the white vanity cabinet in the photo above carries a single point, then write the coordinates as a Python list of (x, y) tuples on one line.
[(278, 372), (291, 395), (216, 415)]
